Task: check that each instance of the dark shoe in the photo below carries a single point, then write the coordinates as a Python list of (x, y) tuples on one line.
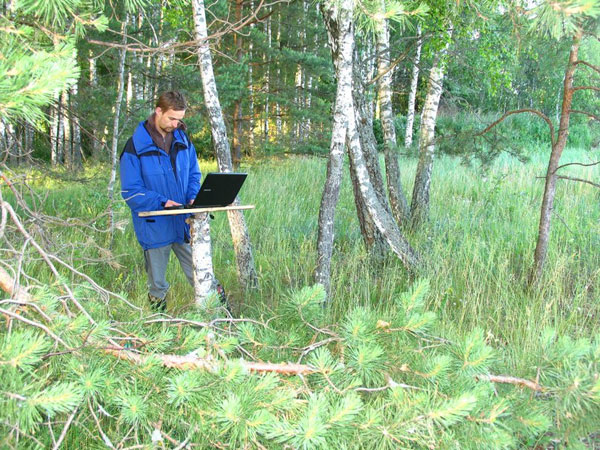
[(223, 297), (157, 304)]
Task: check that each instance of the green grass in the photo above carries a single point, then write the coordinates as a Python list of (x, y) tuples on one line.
[(477, 247)]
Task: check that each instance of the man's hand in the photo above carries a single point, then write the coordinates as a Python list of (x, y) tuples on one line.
[(171, 203)]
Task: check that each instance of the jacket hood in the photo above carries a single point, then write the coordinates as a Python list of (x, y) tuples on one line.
[(143, 142)]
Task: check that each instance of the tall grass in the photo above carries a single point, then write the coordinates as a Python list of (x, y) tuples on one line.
[(476, 249)]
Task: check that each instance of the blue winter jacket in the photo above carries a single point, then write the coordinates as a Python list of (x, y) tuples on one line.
[(150, 177)]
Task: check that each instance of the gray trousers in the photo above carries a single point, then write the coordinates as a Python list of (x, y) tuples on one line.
[(156, 267)]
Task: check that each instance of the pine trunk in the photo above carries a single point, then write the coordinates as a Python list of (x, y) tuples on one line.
[(397, 198), (239, 232), (419, 208), (412, 95), (541, 248), (340, 29)]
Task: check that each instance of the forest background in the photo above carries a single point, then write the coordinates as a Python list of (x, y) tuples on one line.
[(428, 325)]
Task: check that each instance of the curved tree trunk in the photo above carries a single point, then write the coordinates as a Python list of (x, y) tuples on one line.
[(239, 232), (384, 85), (541, 248), (412, 95), (340, 29), (374, 240), (419, 208)]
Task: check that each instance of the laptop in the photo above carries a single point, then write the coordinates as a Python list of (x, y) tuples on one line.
[(218, 189)]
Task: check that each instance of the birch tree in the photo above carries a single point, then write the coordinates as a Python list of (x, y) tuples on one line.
[(340, 27), (419, 208), (412, 94), (340, 31), (239, 232), (384, 85), (115, 133)]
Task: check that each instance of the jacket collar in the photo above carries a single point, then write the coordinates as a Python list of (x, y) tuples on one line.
[(143, 142)]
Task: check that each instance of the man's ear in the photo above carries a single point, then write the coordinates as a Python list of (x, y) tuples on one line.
[(158, 111)]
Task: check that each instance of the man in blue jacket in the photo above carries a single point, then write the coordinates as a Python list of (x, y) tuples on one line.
[(159, 168)]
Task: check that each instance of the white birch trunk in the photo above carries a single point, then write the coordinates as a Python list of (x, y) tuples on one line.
[(379, 215), (267, 83), (60, 131), (239, 232), (412, 95), (115, 133), (77, 155), (204, 280), (396, 193), (96, 134), (419, 208), (338, 20)]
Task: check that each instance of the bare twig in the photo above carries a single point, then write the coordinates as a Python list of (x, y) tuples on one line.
[(577, 164), (562, 177), (520, 111), (591, 66), (35, 324), (593, 116), (63, 434)]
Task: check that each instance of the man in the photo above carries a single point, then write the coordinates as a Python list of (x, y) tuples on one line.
[(159, 168)]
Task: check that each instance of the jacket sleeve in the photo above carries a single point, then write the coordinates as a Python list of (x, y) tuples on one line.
[(133, 189), (194, 176)]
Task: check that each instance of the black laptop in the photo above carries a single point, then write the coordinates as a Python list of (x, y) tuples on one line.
[(218, 189)]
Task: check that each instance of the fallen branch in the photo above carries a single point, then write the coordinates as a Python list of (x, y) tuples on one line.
[(513, 380), (211, 365)]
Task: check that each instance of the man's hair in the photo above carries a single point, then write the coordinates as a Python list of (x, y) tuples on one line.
[(171, 100)]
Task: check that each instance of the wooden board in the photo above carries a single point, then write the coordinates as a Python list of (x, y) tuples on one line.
[(172, 212)]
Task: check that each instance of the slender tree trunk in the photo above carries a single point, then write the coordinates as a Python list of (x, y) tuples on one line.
[(95, 132), (239, 232), (204, 281), (379, 214), (68, 131), (76, 156), (419, 208), (250, 89), (412, 95), (236, 153), (374, 240), (60, 131), (392, 169), (340, 29), (267, 82), (115, 131), (541, 248)]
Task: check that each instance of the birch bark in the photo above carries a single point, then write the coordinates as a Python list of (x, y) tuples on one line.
[(541, 248), (115, 134), (419, 208), (204, 280), (239, 232), (340, 30), (412, 95), (392, 168)]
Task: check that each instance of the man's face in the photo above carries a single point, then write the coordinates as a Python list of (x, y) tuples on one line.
[(168, 120)]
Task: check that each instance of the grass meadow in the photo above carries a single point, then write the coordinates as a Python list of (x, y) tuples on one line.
[(476, 249)]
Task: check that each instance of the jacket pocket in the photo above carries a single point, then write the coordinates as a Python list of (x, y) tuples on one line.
[(158, 230)]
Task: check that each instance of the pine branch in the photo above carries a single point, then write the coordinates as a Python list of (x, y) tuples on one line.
[(520, 111), (63, 434), (586, 88), (593, 116), (591, 66)]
